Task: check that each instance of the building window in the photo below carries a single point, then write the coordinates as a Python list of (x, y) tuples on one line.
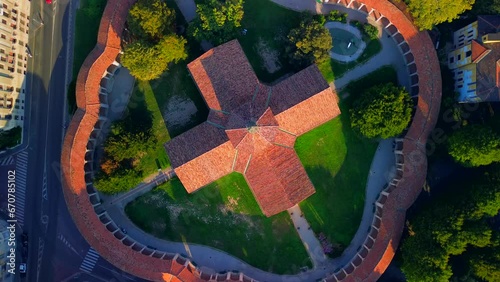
[(468, 53), (461, 79), (4, 21), (452, 60), (459, 57)]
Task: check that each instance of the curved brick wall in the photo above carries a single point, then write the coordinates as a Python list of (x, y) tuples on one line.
[(382, 239)]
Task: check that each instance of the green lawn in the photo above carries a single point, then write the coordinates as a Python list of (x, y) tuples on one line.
[(224, 215), (334, 69), (88, 18), (268, 25), (338, 161), (156, 157)]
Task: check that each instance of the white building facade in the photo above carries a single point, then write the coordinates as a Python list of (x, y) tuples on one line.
[(14, 27)]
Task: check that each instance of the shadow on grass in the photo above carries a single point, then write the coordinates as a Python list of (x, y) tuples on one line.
[(210, 217)]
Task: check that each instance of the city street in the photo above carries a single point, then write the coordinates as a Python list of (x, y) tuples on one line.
[(57, 251)]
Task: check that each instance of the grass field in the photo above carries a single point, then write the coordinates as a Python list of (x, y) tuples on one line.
[(87, 21), (156, 157), (224, 215), (338, 161)]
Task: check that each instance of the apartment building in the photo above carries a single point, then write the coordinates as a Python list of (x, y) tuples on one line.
[(475, 61), (14, 27)]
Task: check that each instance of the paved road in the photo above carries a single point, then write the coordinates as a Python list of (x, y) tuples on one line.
[(57, 251)]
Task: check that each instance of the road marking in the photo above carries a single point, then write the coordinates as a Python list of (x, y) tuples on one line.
[(89, 261), (41, 245), (7, 161), (21, 176)]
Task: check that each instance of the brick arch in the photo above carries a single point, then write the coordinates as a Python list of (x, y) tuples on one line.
[(382, 239)]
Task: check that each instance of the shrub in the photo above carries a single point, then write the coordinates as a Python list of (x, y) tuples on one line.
[(370, 31), (336, 16)]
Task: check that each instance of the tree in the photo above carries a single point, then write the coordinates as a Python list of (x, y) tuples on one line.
[(428, 13), (147, 62), (474, 145), (485, 263), (150, 19), (217, 20), (10, 138), (383, 111), (309, 43), (486, 7), (454, 226)]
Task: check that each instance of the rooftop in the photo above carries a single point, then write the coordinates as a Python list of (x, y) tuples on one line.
[(251, 128)]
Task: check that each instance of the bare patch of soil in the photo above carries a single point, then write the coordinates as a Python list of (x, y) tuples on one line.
[(270, 57), (178, 112)]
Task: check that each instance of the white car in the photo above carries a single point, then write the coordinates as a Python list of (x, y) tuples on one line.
[(22, 268)]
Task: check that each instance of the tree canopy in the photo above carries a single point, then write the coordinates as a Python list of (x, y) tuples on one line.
[(452, 226), (155, 45), (150, 19), (309, 43), (10, 138), (147, 62), (217, 20), (474, 145), (486, 7), (383, 111), (428, 13)]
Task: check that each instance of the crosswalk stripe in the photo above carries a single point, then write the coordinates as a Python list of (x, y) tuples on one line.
[(90, 259), (21, 179)]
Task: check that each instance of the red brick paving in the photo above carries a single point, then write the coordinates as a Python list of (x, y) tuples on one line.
[(393, 214)]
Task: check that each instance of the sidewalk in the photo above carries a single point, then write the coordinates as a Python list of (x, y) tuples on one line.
[(311, 243)]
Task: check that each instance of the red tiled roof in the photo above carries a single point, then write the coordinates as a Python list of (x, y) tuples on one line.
[(478, 51), (206, 168), (224, 76), (184, 148), (278, 179), (245, 108)]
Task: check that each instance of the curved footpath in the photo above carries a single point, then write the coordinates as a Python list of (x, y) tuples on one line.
[(363, 261)]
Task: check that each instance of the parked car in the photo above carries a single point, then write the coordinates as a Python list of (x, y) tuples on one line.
[(22, 268)]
